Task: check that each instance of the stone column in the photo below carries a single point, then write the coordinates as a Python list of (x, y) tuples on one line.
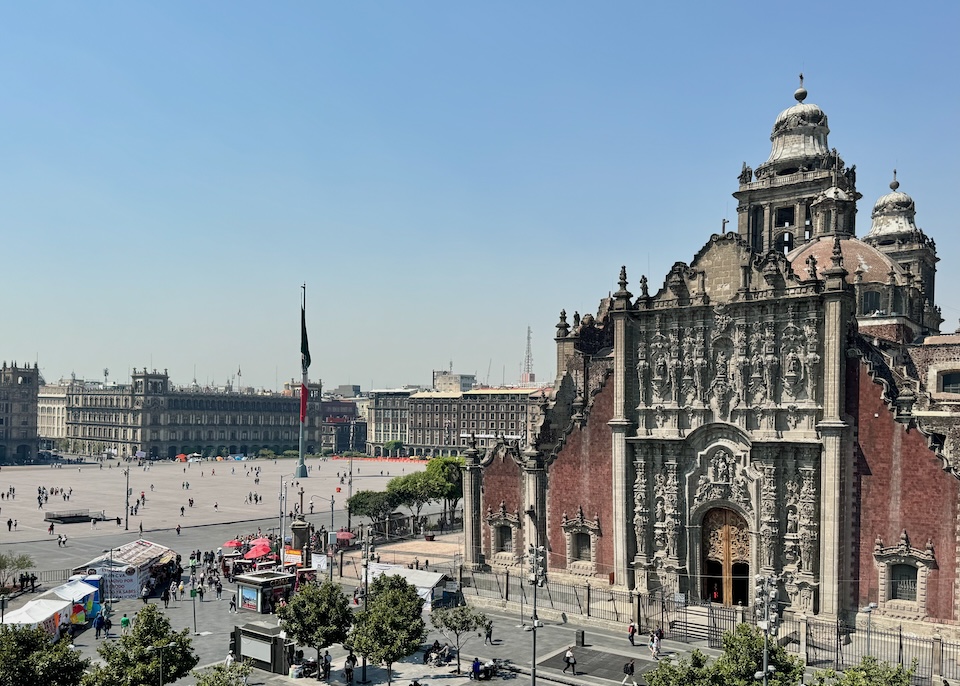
[(535, 497), (472, 542), (624, 381)]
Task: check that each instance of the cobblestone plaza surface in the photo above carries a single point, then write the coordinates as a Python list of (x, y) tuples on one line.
[(207, 528)]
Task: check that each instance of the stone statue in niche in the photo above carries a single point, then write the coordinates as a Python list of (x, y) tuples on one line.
[(661, 512), (721, 466), (740, 493), (643, 369), (792, 520), (703, 488)]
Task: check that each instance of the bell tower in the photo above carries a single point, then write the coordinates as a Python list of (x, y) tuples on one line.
[(775, 203)]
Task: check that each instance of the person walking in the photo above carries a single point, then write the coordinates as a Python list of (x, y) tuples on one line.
[(632, 633), (233, 604), (200, 592), (654, 646), (488, 632), (98, 624), (570, 661), (230, 659), (628, 670), (124, 625), (165, 597), (218, 587)]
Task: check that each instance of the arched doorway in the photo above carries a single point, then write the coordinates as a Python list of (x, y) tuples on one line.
[(726, 558)]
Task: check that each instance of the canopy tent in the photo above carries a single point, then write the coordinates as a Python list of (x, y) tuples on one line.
[(74, 591), (46, 613), (424, 581), (129, 568)]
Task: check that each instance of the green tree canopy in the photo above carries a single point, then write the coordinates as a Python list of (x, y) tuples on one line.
[(447, 479), (393, 446), (377, 505), (869, 672), (12, 564), (128, 660), (684, 672), (458, 624), (223, 675), (27, 658), (317, 616), (413, 490), (392, 626)]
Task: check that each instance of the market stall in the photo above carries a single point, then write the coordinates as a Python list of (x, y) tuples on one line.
[(430, 585), (133, 566), (82, 595), (47, 613)]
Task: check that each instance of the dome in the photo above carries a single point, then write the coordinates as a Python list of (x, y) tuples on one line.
[(873, 266), (894, 212), (799, 138)]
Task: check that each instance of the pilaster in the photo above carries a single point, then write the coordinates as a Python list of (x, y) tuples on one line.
[(472, 475)]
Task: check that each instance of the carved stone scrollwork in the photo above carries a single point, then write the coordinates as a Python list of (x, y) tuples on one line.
[(641, 514), (808, 528), (573, 528)]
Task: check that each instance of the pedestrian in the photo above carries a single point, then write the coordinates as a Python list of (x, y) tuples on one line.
[(654, 646), (141, 529), (107, 625), (327, 664), (570, 661), (124, 625), (233, 604), (14, 524), (9, 525), (181, 510), (628, 670), (229, 660), (475, 666), (200, 592), (180, 590), (632, 633), (219, 589), (488, 632), (178, 529), (145, 593), (165, 597), (98, 624), (173, 589)]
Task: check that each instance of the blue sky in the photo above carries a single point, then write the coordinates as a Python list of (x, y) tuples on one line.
[(441, 175)]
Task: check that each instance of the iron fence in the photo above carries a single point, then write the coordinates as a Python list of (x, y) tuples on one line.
[(950, 660)]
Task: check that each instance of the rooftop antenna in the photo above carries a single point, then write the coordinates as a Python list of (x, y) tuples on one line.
[(526, 375), (106, 372)]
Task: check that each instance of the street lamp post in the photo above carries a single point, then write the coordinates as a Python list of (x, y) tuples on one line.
[(329, 543), (538, 576), (366, 577), (126, 509), (159, 649), (869, 610), (350, 490), (109, 603), (767, 618)]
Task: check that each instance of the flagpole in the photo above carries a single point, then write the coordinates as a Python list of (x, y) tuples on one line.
[(301, 471)]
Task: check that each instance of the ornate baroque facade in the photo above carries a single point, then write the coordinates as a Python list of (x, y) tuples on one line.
[(782, 405)]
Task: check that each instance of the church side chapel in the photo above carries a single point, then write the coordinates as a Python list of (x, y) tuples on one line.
[(782, 405)]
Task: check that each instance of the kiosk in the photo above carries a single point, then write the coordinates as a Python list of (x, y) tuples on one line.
[(261, 591)]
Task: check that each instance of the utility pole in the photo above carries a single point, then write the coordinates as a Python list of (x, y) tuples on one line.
[(126, 511), (366, 577), (538, 577)]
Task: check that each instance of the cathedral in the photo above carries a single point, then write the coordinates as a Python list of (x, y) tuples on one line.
[(782, 405)]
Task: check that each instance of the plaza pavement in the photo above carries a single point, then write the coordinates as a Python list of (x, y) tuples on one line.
[(206, 528)]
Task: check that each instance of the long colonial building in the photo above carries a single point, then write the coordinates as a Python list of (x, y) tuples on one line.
[(151, 418), (784, 404)]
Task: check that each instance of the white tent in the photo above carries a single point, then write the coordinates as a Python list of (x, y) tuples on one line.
[(424, 581), (47, 613), (74, 591)]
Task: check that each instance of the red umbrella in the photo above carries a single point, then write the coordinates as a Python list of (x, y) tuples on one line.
[(344, 535), (257, 551), (261, 541), (233, 544)]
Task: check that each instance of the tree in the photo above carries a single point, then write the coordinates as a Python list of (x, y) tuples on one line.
[(11, 564), (869, 672), (222, 675), (692, 672), (413, 491), (128, 660), (458, 624), (392, 626), (317, 616), (27, 658), (446, 478), (393, 446), (377, 505), (743, 657), (266, 452)]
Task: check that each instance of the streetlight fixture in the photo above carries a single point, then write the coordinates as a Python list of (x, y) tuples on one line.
[(538, 576), (869, 610), (159, 649), (109, 600), (126, 509), (767, 620), (366, 578)]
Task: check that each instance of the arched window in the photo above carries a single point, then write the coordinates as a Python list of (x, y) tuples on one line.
[(871, 302), (785, 242)]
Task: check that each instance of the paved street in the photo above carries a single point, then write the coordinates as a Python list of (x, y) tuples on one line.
[(206, 528)]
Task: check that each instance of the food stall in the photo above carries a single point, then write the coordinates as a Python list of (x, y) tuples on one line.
[(47, 613), (131, 566)]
